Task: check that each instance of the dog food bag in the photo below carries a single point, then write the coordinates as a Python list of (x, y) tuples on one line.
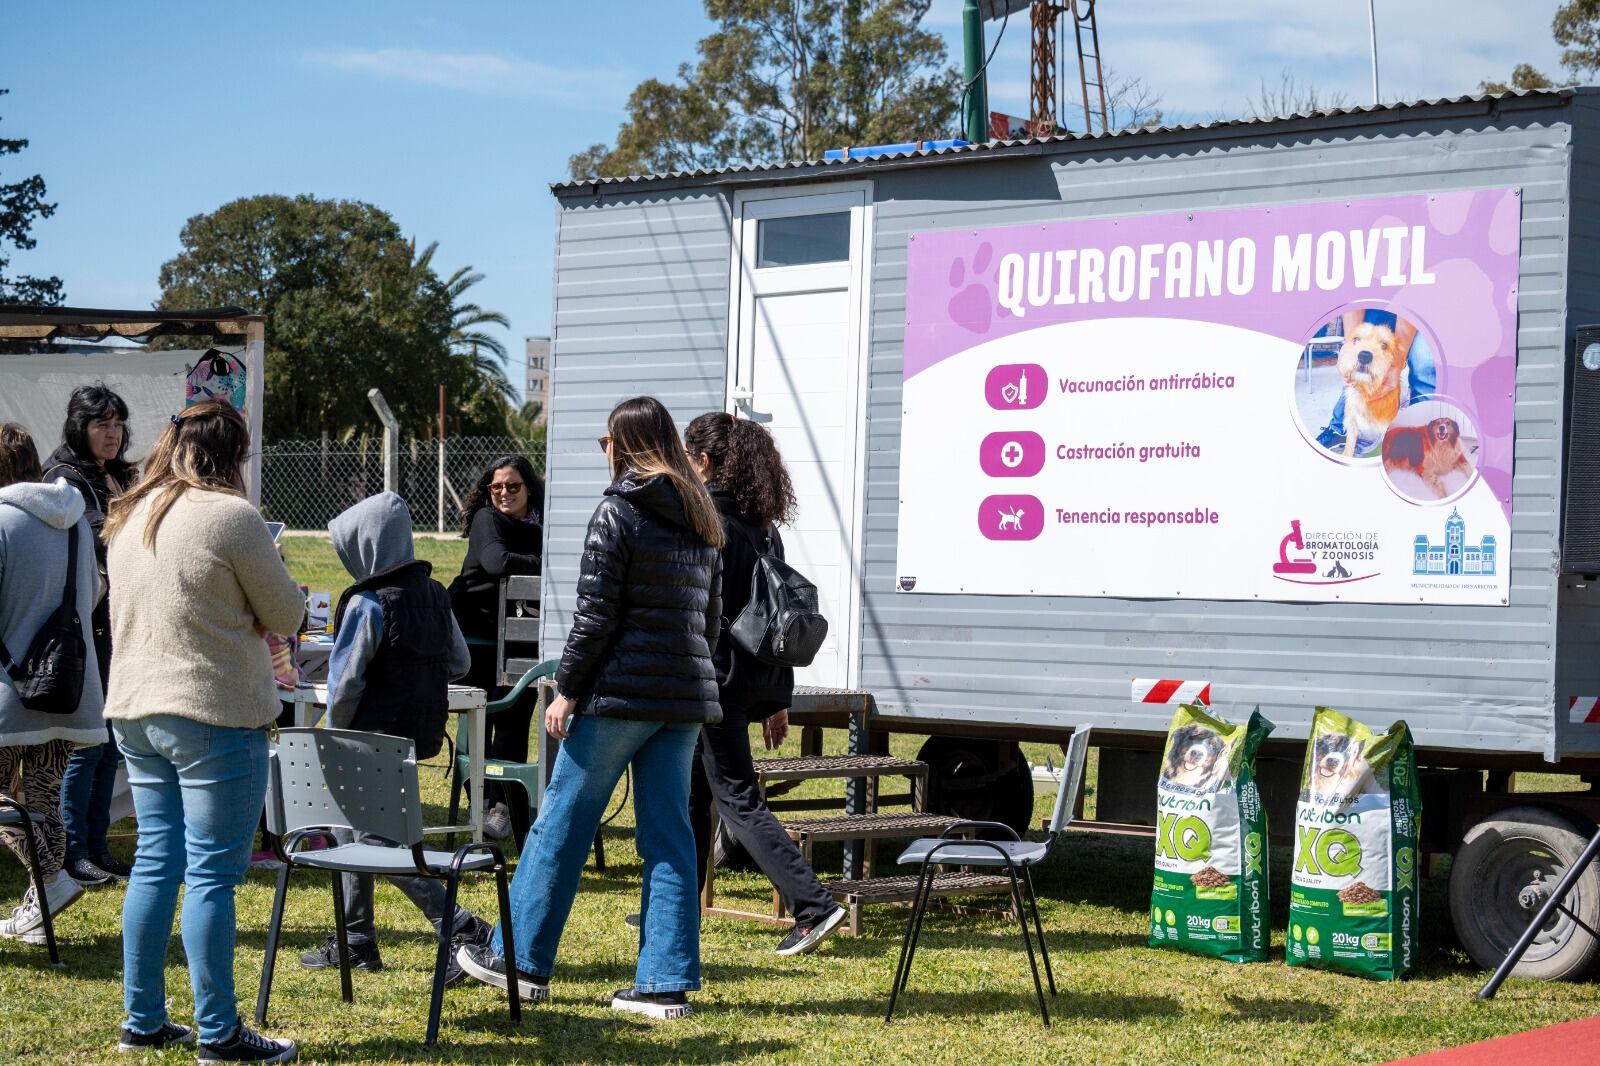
[(1353, 899), (1210, 893)]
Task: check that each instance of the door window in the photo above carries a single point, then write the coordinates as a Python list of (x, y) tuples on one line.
[(796, 240)]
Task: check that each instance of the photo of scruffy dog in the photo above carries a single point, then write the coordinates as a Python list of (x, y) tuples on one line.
[(1431, 452), (1196, 761), (1372, 366)]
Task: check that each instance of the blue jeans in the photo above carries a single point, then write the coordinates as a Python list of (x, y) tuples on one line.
[(86, 790), (1422, 376), (197, 792), (586, 772)]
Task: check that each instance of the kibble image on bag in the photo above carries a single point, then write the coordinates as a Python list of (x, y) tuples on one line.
[(1210, 889), (1354, 898)]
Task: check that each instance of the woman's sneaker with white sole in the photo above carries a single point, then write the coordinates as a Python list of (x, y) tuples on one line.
[(247, 1045), (482, 963), (27, 922), (803, 939), (171, 1034), (664, 1005)]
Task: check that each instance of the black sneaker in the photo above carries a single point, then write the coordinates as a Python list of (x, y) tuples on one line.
[(477, 934), (247, 1045), (1330, 438), (88, 873), (632, 921), (169, 1035), (362, 956), (664, 1005), (480, 962), (803, 939), (114, 866)]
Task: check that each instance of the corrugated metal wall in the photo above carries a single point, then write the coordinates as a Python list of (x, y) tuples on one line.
[(641, 307), (1464, 677), (641, 296)]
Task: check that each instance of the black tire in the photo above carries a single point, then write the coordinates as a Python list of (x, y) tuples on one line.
[(1501, 857), (984, 780)]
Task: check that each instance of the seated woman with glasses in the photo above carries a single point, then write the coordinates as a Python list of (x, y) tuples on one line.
[(501, 521)]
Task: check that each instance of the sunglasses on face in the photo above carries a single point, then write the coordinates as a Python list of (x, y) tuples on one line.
[(510, 488), (605, 443)]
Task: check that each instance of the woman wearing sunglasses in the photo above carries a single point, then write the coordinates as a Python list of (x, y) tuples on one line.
[(501, 522)]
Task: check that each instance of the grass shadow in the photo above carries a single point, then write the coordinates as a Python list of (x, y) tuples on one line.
[(1281, 1010)]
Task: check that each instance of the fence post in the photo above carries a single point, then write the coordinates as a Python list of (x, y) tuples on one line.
[(391, 440), (441, 459)]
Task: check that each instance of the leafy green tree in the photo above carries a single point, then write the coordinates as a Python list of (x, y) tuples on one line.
[(1577, 28), (21, 204), (787, 79), (1523, 76), (349, 303)]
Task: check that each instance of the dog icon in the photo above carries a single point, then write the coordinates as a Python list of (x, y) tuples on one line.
[(1011, 519)]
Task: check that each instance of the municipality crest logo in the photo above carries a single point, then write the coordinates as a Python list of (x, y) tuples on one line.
[(1455, 556)]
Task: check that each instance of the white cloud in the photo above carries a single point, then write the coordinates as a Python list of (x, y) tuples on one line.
[(483, 73)]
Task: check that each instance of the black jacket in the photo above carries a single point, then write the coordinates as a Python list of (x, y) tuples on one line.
[(497, 547), (648, 611), (90, 481), (743, 681), (408, 680)]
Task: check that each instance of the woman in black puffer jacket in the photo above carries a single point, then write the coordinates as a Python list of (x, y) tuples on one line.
[(636, 684)]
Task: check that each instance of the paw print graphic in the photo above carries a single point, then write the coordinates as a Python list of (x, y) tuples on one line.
[(972, 306)]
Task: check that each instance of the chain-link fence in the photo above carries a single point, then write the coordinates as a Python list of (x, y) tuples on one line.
[(304, 483)]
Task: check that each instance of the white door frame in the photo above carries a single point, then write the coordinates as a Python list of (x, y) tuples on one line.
[(857, 196)]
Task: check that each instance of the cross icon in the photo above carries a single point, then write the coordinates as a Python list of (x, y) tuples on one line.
[(1011, 454)]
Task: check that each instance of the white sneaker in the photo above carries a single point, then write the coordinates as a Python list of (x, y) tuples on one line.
[(497, 823), (60, 892), (8, 926)]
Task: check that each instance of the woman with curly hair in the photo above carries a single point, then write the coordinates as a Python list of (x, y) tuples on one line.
[(740, 465), (501, 521)]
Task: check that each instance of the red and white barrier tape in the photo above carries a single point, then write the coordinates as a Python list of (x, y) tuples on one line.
[(1584, 708), (1159, 690)]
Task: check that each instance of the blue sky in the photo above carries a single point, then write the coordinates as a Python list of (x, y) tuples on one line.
[(455, 117)]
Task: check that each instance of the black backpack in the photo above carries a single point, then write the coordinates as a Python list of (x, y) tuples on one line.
[(50, 677), (781, 624)]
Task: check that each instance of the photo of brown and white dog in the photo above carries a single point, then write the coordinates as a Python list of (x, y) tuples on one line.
[(1339, 769), (1432, 452), (1372, 366), (1196, 761)]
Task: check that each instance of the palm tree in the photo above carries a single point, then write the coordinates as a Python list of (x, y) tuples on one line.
[(467, 338)]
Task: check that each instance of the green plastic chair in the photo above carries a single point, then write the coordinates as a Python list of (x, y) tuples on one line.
[(525, 774)]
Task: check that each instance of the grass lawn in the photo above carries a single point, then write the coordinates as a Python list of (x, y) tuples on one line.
[(313, 563), (970, 996)]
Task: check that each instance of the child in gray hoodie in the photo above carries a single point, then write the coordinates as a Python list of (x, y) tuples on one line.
[(396, 647)]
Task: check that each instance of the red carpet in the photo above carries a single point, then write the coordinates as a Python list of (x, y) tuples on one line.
[(1568, 1044)]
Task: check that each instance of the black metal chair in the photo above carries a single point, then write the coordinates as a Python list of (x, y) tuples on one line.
[(14, 816), (1016, 856), (321, 779)]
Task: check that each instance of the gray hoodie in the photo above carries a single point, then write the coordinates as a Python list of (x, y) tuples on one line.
[(34, 519), (371, 537)]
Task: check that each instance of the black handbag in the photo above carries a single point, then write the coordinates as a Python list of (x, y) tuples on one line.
[(50, 677), (781, 625)]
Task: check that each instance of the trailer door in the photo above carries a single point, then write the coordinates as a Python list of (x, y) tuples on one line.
[(795, 357)]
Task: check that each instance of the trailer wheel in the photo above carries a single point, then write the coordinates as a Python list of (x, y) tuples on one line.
[(985, 780), (1503, 871)]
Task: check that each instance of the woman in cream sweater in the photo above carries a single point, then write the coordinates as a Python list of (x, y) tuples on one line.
[(199, 582)]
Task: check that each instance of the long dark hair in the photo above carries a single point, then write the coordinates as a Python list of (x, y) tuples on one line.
[(89, 403), (205, 447), (745, 463), (478, 498), (645, 441)]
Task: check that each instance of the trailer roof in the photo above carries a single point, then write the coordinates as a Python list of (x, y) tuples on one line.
[(811, 169)]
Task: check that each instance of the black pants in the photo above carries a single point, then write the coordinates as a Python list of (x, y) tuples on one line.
[(724, 772), (505, 735)]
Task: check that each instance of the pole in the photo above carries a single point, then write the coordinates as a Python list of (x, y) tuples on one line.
[(1372, 27), (1546, 912), (391, 440), (441, 458), (975, 99)]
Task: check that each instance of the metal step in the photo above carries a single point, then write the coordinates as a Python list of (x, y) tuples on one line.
[(811, 767), (867, 827), (900, 888)]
